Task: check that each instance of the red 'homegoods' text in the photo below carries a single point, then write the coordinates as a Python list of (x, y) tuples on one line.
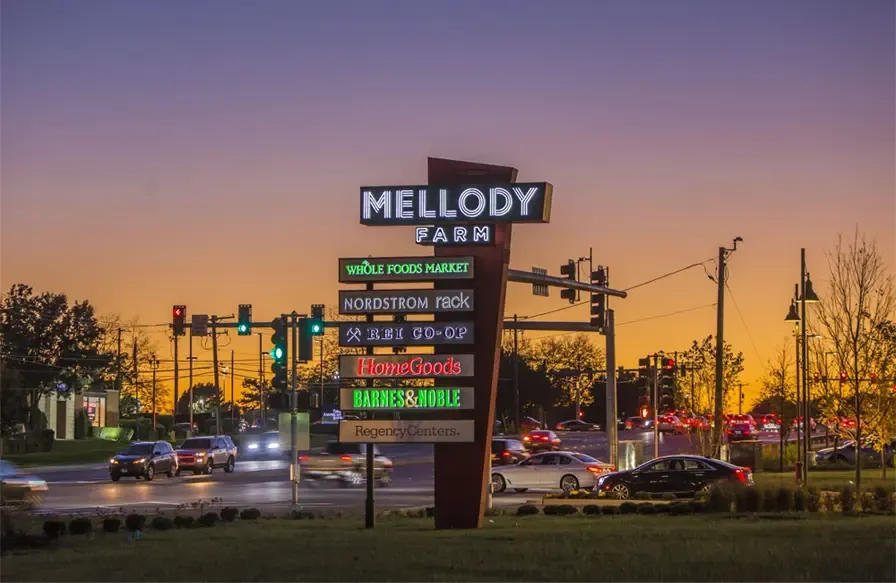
[(414, 367)]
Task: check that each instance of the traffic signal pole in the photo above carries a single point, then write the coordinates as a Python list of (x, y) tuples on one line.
[(293, 421), (370, 500), (176, 377), (214, 325), (612, 427)]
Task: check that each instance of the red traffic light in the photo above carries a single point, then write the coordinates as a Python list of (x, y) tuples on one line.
[(843, 376), (816, 376), (873, 377), (178, 312)]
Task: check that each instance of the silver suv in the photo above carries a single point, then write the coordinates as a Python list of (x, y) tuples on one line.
[(202, 455)]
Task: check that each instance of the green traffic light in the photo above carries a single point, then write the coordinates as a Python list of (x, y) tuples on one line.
[(315, 328), (277, 353), (243, 328)]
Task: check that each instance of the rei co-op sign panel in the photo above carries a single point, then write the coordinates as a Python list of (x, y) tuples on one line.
[(406, 399), (404, 269), (405, 366), (518, 202), (405, 301), (423, 431), (405, 333)]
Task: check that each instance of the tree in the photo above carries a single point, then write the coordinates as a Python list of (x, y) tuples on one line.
[(571, 363), (205, 398), (53, 347), (856, 312), (536, 391), (778, 393), (701, 366), (252, 394)]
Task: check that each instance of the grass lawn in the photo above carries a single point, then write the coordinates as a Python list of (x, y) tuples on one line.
[(79, 451), (538, 548), (829, 479)]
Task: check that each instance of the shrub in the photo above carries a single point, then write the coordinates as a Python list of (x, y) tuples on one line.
[(698, 507), (250, 514), (813, 500), (828, 502), (302, 515), (751, 499), (135, 522), (229, 514), (46, 438), (111, 524), (784, 500), (82, 424), (54, 529), (430, 511), (609, 510), (867, 502), (550, 510), (80, 525), (847, 500), (628, 508), (719, 500), (162, 523), (527, 510), (799, 501), (208, 519), (566, 510), (663, 508), (883, 502), (769, 502), (680, 508), (591, 510), (646, 508)]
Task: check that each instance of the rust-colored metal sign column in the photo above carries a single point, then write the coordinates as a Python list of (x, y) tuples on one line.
[(461, 469)]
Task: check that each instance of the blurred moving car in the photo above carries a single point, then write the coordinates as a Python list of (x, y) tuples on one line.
[(740, 430), (679, 474), (144, 460), (670, 424), (635, 423), (563, 470), (201, 455), (769, 422), (541, 440), (262, 445), (577, 425), (508, 451), (529, 424), (19, 488), (347, 464)]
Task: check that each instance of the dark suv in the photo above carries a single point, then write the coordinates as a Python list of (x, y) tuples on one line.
[(144, 460), (202, 455), (508, 451)]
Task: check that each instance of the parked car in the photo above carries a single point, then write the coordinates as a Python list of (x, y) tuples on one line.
[(679, 474), (508, 451), (201, 455), (144, 460), (564, 470), (577, 425), (845, 453), (18, 488), (541, 440)]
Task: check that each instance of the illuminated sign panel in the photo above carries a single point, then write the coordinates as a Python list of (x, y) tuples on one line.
[(405, 366), (519, 202), (405, 333), (405, 301), (454, 235), (406, 398), (423, 431), (404, 269)]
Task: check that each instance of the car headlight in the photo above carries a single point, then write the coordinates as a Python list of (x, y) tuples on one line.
[(200, 454), (253, 446), (601, 480), (273, 446), (140, 461), (113, 461)]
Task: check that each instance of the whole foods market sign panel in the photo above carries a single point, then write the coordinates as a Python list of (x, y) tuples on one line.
[(404, 269), (423, 431), (405, 366), (519, 202), (405, 301), (406, 399), (405, 333)]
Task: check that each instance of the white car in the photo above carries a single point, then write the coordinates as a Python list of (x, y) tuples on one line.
[(556, 470)]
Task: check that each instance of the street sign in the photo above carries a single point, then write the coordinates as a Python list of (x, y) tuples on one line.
[(405, 333), (406, 399), (455, 235), (540, 289), (404, 269), (405, 366), (517, 202), (423, 431), (199, 325), (405, 301)]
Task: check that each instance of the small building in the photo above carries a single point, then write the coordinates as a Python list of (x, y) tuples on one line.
[(60, 407)]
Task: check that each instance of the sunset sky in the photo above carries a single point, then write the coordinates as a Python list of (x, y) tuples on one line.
[(210, 153)]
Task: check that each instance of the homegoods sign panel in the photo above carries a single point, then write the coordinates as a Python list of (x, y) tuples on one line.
[(405, 366)]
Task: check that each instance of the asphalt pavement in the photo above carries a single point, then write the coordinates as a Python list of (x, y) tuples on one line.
[(261, 483)]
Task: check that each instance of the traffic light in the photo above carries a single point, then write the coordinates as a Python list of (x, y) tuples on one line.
[(317, 319), (569, 270), (599, 301), (816, 377), (278, 353), (843, 377), (306, 336), (179, 319), (667, 382), (643, 367), (244, 320)]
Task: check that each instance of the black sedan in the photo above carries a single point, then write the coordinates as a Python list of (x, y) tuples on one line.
[(144, 460), (684, 475), (577, 425)]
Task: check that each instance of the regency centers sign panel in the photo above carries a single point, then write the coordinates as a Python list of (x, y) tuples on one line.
[(423, 431), (406, 366)]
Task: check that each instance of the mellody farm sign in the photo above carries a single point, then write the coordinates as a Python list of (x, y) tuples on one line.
[(519, 202)]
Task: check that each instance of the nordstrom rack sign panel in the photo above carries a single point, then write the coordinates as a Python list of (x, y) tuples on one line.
[(405, 301), (518, 202)]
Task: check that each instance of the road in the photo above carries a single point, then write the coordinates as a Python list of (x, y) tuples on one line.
[(266, 483)]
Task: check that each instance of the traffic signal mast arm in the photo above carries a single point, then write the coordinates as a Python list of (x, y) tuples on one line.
[(519, 276)]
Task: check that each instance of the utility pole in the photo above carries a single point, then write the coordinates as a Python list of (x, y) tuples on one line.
[(176, 378), (612, 428), (136, 391), (154, 364), (232, 397), (190, 380), (322, 376), (796, 396), (214, 325), (264, 415), (656, 403), (807, 429), (294, 422), (516, 377), (720, 347), (118, 367), (740, 399)]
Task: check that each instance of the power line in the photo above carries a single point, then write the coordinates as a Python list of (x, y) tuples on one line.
[(667, 315), (743, 321), (671, 273)]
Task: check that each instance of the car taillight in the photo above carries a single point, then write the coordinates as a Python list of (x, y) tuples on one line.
[(304, 458), (741, 476), (526, 438), (595, 469), (728, 432), (506, 454), (346, 458)]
